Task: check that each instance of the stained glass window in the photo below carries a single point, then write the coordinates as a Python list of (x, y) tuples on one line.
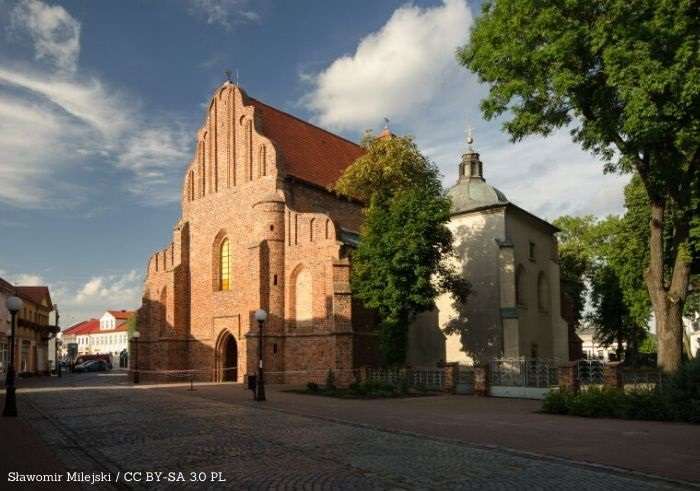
[(225, 265)]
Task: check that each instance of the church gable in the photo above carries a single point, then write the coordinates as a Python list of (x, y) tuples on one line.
[(243, 139), (230, 150)]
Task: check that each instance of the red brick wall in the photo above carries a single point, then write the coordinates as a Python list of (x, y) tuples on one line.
[(276, 227)]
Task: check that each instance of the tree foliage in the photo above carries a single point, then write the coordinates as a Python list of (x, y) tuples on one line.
[(624, 77), (575, 258), (604, 260), (399, 265)]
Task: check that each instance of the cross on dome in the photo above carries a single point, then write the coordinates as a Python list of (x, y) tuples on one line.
[(470, 139)]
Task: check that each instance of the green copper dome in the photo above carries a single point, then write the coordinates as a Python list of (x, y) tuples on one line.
[(472, 192)]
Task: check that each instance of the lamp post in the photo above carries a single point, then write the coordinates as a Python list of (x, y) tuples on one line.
[(261, 317), (58, 331), (135, 336), (14, 305)]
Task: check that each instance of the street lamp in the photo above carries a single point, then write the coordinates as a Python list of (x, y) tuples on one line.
[(14, 305), (56, 341), (135, 336), (261, 317)]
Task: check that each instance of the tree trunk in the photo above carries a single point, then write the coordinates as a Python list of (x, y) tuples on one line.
[(667, 301)]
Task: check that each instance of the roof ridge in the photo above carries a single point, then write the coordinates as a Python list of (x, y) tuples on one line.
[(304, 121)]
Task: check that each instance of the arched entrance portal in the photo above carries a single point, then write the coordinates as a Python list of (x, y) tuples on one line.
[(227, 358), (230, 360)]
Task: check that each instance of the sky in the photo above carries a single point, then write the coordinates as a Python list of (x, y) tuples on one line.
[(100, 102)]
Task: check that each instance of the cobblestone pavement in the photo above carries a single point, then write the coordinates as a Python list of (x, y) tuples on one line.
[(128, 429)]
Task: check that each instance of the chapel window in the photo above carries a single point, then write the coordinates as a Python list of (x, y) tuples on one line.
[(225, 266)]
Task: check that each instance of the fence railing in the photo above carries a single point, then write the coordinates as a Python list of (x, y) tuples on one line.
[(642, 379), (523, 372), (590, 372), (433, 378)]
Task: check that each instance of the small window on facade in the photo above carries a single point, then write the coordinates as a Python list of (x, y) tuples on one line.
[(274, 280), (532, 251), (225, 266)]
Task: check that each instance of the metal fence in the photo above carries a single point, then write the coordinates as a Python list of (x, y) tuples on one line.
[(642, 379), (590, 372), (433, 378), (523, 372)]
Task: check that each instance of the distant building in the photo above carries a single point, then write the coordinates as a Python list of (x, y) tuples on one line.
[(32, 332), (691, 326), (593, 349), (106, 335)]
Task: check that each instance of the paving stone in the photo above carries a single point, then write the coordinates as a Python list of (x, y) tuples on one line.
[(152, 430)]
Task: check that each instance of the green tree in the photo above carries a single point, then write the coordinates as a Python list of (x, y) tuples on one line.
[(575, 258), (625, 78), (399, 265), (132, 324), (605, 259)]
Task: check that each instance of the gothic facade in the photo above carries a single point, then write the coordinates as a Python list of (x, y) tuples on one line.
[(258, 229)]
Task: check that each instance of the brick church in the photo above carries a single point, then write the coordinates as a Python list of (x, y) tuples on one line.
[(259, 229)]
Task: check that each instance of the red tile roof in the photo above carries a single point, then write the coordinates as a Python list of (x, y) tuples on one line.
[(92, 326), (80, 327), (121, 314), (35, 294), (306, 151)]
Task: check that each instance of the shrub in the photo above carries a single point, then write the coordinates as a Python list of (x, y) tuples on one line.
[(676, 399), (557, 402), (649, 404), (312, 387), (404, 385), (594, 402), (330, 380), (358, 388)]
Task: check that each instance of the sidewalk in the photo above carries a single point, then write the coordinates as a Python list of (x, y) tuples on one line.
[(670, 450), (24, 452)]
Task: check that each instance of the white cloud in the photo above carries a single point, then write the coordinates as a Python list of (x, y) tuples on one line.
[(57, 120), (394, 72), (156, 156), (112, 289), (55, 33), (407, 70), (223, 12), (25, 279)]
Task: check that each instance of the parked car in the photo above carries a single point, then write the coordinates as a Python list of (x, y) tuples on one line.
[(99, 356), (92, 366)]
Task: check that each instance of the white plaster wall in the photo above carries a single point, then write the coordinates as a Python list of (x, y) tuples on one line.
[(479, 321), (543, 328)]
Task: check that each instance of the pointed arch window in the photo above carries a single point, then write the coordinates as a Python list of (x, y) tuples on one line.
[(225, 266), (303, 298)]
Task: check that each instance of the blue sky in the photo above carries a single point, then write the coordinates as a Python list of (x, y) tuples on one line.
[(100, 101)]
